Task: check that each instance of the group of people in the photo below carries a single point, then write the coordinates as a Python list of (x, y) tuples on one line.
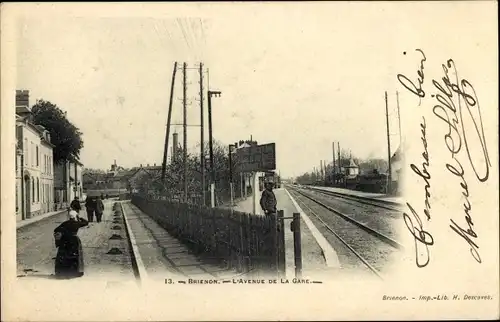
[(69, 258), (94, 206)]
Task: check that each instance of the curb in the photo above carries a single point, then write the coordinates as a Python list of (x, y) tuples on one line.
[(330, 255), (137, 263), (27, 222)]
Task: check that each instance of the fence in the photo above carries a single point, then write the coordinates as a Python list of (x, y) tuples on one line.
[(248, 243)]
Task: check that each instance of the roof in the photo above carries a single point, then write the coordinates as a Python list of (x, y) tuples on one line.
[(397, 156), (352, 164), (23, 109)]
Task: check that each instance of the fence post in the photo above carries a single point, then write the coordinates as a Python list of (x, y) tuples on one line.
[(215, 239), (229, 244), (297, 246), (281, 243), (244, 243), (274, 248)]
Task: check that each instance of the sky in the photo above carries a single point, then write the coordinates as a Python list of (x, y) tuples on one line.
[(297, 75)]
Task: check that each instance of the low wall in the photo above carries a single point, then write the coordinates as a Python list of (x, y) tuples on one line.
[(109, 192), (245, 242)]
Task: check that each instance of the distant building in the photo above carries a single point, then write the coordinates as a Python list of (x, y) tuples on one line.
[(351, 170), (34, 163), (142, 176), (113, 182)]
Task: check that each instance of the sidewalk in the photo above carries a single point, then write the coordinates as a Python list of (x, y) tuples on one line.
[(26, 222), (362, 194), (161, 256), (312, 253)]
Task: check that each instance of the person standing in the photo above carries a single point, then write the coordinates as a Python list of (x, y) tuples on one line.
[(90, 205), (75, 205), (268, 200), (99, 209), (69, 258)]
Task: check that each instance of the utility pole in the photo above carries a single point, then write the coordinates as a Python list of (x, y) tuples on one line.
[(399, 119), (340, 163), (321, 169), (167, 135), (389, 178), (334, 168), (202, 138), (184, 108), (210, 144), (230, 157)]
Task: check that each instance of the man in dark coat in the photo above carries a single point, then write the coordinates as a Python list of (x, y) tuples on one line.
[(99, 209), (75, 205), (90, 204), (268, 200)]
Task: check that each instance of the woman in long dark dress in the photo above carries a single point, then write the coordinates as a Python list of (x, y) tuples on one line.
[(69, 259)]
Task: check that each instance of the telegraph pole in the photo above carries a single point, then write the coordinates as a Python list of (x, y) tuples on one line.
[(321, 169), (184, 108), (334, 168), (202, 138), (389, 178), (340, 163), (210, 144), (167, 135)]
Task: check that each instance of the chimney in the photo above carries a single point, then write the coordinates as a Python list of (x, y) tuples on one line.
[(23, 98), (175, 145)]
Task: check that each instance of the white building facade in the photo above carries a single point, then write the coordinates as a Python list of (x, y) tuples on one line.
[(34, 167)]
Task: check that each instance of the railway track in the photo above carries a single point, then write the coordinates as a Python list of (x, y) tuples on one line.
[(370, 246), (381, 203)]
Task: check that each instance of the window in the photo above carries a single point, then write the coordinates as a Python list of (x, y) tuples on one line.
[(17, 200), (37, 157), (32, 190), (37, 190), (32, 154), (25, 151)]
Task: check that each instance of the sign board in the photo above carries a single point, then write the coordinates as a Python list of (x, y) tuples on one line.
[(256, 158)]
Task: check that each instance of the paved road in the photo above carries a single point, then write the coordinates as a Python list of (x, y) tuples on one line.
[(36, 251)]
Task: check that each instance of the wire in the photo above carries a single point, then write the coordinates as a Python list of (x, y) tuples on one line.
[(183, 33), (203, 31)]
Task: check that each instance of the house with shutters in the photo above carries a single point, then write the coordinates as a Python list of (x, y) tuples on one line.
[(34, 163)]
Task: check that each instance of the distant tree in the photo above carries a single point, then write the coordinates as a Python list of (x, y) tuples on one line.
[(174, 176), (368, 165), (66, 137)]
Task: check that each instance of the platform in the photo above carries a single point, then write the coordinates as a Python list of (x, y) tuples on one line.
[(313, 246), (362, 194)]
